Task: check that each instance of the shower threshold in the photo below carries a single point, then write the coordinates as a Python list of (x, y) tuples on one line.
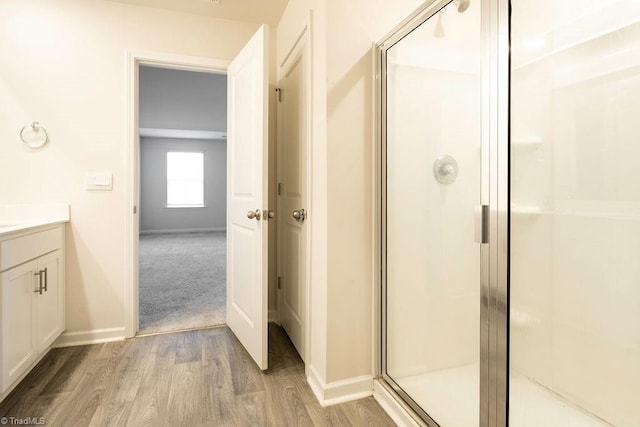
[(451, 397)]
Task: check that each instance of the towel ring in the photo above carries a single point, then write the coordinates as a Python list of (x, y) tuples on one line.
[(36, 128)]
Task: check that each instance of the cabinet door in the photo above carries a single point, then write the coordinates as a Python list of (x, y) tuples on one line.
[(18, 343), (48, 307)]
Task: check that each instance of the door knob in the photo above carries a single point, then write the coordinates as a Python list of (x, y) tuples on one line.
[(299, 215), (254, 214)]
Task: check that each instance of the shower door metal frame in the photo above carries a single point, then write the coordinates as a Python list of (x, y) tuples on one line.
[(494, 308), (494, 192)]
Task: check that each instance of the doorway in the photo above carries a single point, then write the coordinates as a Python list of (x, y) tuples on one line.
[(182, 200), (248, 212), (135, 61)]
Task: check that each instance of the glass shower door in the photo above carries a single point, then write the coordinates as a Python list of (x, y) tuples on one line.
[(431, 192)]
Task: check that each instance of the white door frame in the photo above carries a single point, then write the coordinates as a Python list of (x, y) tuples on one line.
[(131, 179), (302, 47)]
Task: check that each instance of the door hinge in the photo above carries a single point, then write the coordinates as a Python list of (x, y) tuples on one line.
[(135, 209), (279, 189), (279, 282), (279, 92)]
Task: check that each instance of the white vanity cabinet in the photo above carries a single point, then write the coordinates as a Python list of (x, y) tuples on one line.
[(31, 297)]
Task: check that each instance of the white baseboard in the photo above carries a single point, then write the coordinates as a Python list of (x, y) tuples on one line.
[(399, 412), (96, 336), (181, 230), (339, 391), (273, 316), (315, 383)]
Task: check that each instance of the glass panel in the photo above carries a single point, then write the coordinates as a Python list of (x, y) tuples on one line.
[(432, 259), (185, 175), (575, 213)]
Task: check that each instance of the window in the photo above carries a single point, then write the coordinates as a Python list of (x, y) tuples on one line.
[(185, 176)]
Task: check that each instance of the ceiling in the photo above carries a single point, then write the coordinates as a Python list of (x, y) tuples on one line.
[(258, 11), (183, 100)]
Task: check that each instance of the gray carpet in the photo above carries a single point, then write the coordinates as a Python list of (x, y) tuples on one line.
[(182, 281)]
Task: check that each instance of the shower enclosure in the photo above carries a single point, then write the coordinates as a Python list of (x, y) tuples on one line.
[(510, 212)]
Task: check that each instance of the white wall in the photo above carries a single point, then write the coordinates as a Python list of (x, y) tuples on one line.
[(352, 29), (180, 99), (63, 63), (343, 34), (154, 214)]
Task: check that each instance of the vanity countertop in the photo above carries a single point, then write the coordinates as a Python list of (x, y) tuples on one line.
[(18, 218)]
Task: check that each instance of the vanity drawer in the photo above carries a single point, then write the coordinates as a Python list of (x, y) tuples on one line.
[(24, 248)]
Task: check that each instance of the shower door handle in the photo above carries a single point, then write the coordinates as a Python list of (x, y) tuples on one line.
[(482, 224)]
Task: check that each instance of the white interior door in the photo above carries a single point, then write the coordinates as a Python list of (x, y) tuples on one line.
[(292, 198), (247, 179)]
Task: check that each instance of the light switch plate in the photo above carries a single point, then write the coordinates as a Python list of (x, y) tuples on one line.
[(98, 180)]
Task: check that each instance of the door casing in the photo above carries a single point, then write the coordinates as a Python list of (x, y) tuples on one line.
[(134, 59)]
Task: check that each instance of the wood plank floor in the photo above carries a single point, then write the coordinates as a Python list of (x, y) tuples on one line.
[(195, 378)]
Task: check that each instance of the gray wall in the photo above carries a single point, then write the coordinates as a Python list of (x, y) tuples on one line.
[(178, 99), (185, 100), (154, 215)]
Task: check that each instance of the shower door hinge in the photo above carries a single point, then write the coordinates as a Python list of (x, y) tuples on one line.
[(279, 282), (279, 92), (482, 224)]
